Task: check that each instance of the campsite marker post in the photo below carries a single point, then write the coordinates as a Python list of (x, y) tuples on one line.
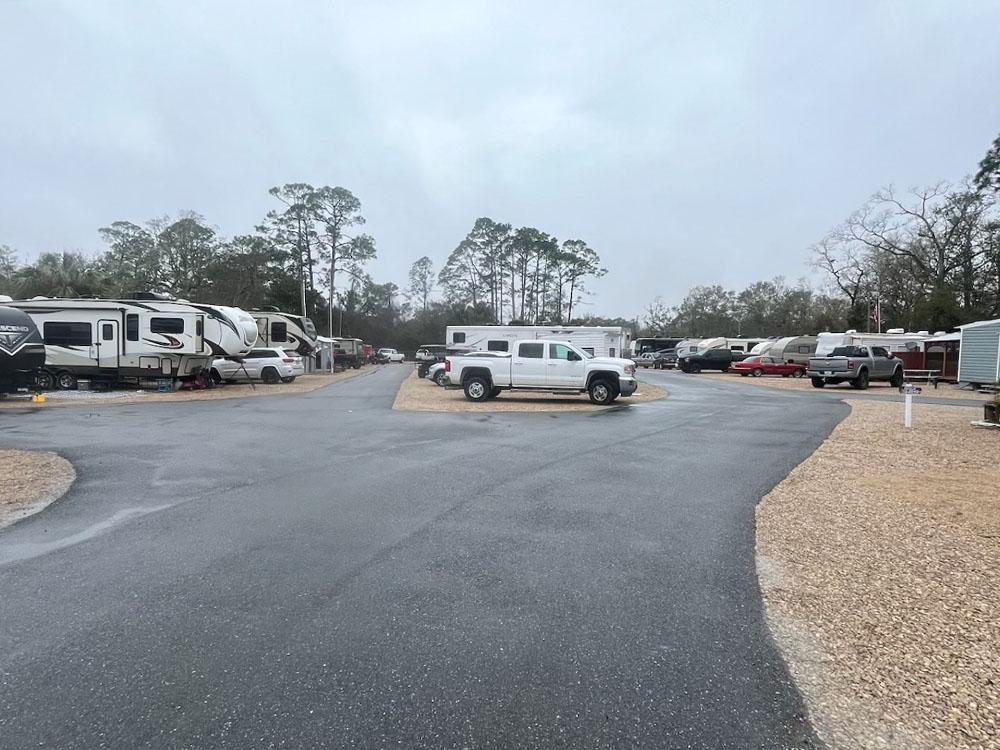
[(909, 390)]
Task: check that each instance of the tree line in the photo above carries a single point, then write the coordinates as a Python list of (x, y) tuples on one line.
[(919, 259)]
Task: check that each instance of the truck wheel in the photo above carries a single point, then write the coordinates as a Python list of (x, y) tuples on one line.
[(477, 389), (602, 392), (66, 381), (860, 383), (756, 372), (817, 382), (896, 381), (44, 381), (270, 376)]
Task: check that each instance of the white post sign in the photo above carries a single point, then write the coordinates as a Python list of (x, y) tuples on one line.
[(909, 389)]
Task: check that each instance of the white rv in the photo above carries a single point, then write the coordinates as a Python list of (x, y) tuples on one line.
[(600, 341), (285, 330), (797, 349), (114, 339), (895, 340), (229, 331)]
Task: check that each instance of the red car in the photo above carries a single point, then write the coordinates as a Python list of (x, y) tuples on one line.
[(758, 366)]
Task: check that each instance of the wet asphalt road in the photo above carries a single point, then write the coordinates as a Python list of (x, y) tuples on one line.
[(319, 571)]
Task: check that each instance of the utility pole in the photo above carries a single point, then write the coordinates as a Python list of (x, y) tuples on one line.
[(333, 349)]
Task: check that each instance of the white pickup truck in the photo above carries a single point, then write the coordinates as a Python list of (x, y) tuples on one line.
[(549, 366)]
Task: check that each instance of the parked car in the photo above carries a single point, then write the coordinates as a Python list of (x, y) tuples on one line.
[(550, 366), (646, 359), (858, 365), (431, 352), (267, 364), (758, 365), (389, 355), (710, 359)]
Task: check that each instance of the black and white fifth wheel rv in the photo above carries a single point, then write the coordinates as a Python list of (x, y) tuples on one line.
[(108, 340), (276, 328), (229, 331), (22, 353), (601, 341)]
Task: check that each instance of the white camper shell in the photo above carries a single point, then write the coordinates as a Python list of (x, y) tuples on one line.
[(285, 330), (600, 341)]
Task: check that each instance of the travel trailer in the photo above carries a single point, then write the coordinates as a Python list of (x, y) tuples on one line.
[(600, 341), (108, 340), (229, 331), (276, 328), (797, 349), (22, 352), (349, 352)]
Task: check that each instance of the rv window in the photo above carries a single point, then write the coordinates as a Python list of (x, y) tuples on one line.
[(199, 327), (107, 332), (279, 332), (611, 352), (68, 334), (531, 351), (458, 338), (804, 349), (166, 325), (589, 350), (498, 346), (132, 327)]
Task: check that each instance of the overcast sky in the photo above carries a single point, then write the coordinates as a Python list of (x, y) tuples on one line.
[(689, 143)]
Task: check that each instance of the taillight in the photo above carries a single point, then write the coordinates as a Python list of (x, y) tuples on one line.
[(850, 364), (289, 360), (447, 365)]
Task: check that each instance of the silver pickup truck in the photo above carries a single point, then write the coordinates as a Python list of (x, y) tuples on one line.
[(858, 365)]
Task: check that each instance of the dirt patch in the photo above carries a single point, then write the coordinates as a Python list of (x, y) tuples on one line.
[(302, 384), (878, 559), (944, 390), (420, 394), (29, 481)]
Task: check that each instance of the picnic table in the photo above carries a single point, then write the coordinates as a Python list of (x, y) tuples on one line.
[(930, 377)]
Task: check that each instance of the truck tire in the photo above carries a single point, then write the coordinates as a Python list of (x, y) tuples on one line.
[(477, 389), (817, 382), (602, 392), (896, 381), (860, 383), (270, 376)]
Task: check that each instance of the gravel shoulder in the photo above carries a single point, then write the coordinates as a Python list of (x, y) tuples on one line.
[(420, 394), (302, 384), (29, 481), (944, 390), (878, 560)]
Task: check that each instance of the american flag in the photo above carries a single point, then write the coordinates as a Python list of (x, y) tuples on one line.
[(876, 311)]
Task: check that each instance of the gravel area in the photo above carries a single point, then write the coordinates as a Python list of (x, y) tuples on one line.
[(302, 384), (944, 390), (878, 558), (420, 394), (29, 481)]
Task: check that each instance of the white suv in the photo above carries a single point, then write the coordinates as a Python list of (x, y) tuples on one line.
[(268, 364), (390, 355)]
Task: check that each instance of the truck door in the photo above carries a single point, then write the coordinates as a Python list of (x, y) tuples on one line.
[(564, 368), (881, 364), (528, 365), (108, 343)]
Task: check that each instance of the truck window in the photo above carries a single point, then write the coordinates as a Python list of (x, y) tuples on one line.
[(531, 351), (458, 337), (498, 346), (558, 351), (879, 351)]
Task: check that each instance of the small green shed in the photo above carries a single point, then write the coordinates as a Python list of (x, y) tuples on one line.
[(979, 352)]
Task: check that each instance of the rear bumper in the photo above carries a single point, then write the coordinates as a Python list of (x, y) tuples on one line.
[(830, 373), (627, 386)]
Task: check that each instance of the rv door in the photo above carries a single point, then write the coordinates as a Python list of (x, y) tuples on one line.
[(199, 333), (108, 343)]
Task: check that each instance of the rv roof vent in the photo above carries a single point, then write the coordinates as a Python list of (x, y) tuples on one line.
[(939, 333), (923, 333), (5, 298), (851, 330), (896, 330)]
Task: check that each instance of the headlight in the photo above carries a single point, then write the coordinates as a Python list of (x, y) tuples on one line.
[(629, 369)]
